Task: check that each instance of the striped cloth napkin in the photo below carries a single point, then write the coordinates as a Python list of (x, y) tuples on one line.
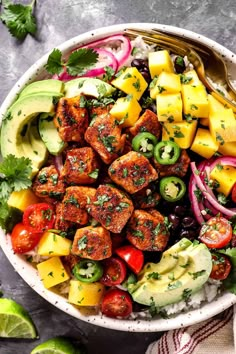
[(214, 336)]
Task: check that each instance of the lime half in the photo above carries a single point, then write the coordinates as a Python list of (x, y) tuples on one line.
[(15, 321), (56, 345)]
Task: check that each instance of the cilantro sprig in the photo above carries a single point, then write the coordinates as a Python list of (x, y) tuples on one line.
[(14, 176), (19, 19), (77, 64)]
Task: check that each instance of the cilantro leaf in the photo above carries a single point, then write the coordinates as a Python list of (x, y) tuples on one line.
[(19, 19), (14, 175), (81, 60), (54, 64)]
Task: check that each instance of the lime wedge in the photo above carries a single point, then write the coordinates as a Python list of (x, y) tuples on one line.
[(56, 345), (15, 321)]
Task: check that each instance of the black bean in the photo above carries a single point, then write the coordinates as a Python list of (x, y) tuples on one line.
[(180, 210), (189, 223), (179, 65), (139, 63), (190, 234), (174, 220), (146, 75)]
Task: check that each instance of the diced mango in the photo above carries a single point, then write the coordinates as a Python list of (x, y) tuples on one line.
[(22, 199), (85, 294), (228, 149), (166, 83), (214, 105), (225, 176), (52, 272), (195, 101), (190, 78), (52, 244), (203, 143), (169, 107), (132, 82), (126, 110), (222, 126), (160, 61), (182, 133)]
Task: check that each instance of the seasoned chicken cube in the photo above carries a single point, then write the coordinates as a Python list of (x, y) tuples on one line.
[(148, 122), (74, 204), (70, 261), (92, 243), (132, 171), (60, 223), (111, 207), (81, 166), (48, 183), (71, 119), (179, 168), (147, 231), (104, 135)]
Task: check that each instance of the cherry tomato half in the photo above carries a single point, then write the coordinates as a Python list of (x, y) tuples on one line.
[(114, 271), (116, 303), (216, 232), (22, 239), (233, 193), (132, 256), (221, 267), (39, 217)]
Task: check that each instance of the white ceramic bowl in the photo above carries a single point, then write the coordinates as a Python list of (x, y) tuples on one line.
[(29, 274)]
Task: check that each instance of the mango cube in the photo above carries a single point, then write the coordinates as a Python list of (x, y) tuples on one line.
[(222, 126), (228, 149), (204, 144), (225, 176), (85, 294), (195, 101), (52, 244), (169, 107), (126, 110), (214, 105), (166, 83), (22, 199), (52, 272), (182, 133), (190, 78), (132, 82), (160, 61)]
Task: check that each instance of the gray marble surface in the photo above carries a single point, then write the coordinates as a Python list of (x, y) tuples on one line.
[(59, 20)]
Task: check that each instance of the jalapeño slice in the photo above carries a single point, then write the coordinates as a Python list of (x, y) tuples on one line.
[(144, 143), (166, 152), (172, 188), (88, 271)]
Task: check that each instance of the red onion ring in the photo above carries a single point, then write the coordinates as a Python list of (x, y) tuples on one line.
[(194, 201)]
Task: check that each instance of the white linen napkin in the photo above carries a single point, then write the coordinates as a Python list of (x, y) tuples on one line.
[(213, 336)]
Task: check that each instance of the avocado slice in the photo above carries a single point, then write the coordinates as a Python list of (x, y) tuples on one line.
[(88, 86), (50, 135), (189, 273), (15, 129), (49, 85)]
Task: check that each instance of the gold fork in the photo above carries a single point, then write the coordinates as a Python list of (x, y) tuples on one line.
[(208, 64)]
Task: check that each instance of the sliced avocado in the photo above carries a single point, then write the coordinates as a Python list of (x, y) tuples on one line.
[(88, 86), (191, 271), (49, 85), (16, 126), (50, 135)]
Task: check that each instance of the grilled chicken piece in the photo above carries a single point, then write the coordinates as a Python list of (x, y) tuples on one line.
[(92, 243), (75, 202), (179, 168), (48, 183), (146, 231), (111, 207), (60, 223), (148, 122), (132, 171), (81, 166), (71, 119), (146, 198), (70, 261), (104, 135)]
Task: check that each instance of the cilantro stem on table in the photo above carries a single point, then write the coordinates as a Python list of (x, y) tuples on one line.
[(77, 64), (19, 19)]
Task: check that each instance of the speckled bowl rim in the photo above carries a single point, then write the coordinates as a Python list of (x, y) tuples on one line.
[(30, 275)]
